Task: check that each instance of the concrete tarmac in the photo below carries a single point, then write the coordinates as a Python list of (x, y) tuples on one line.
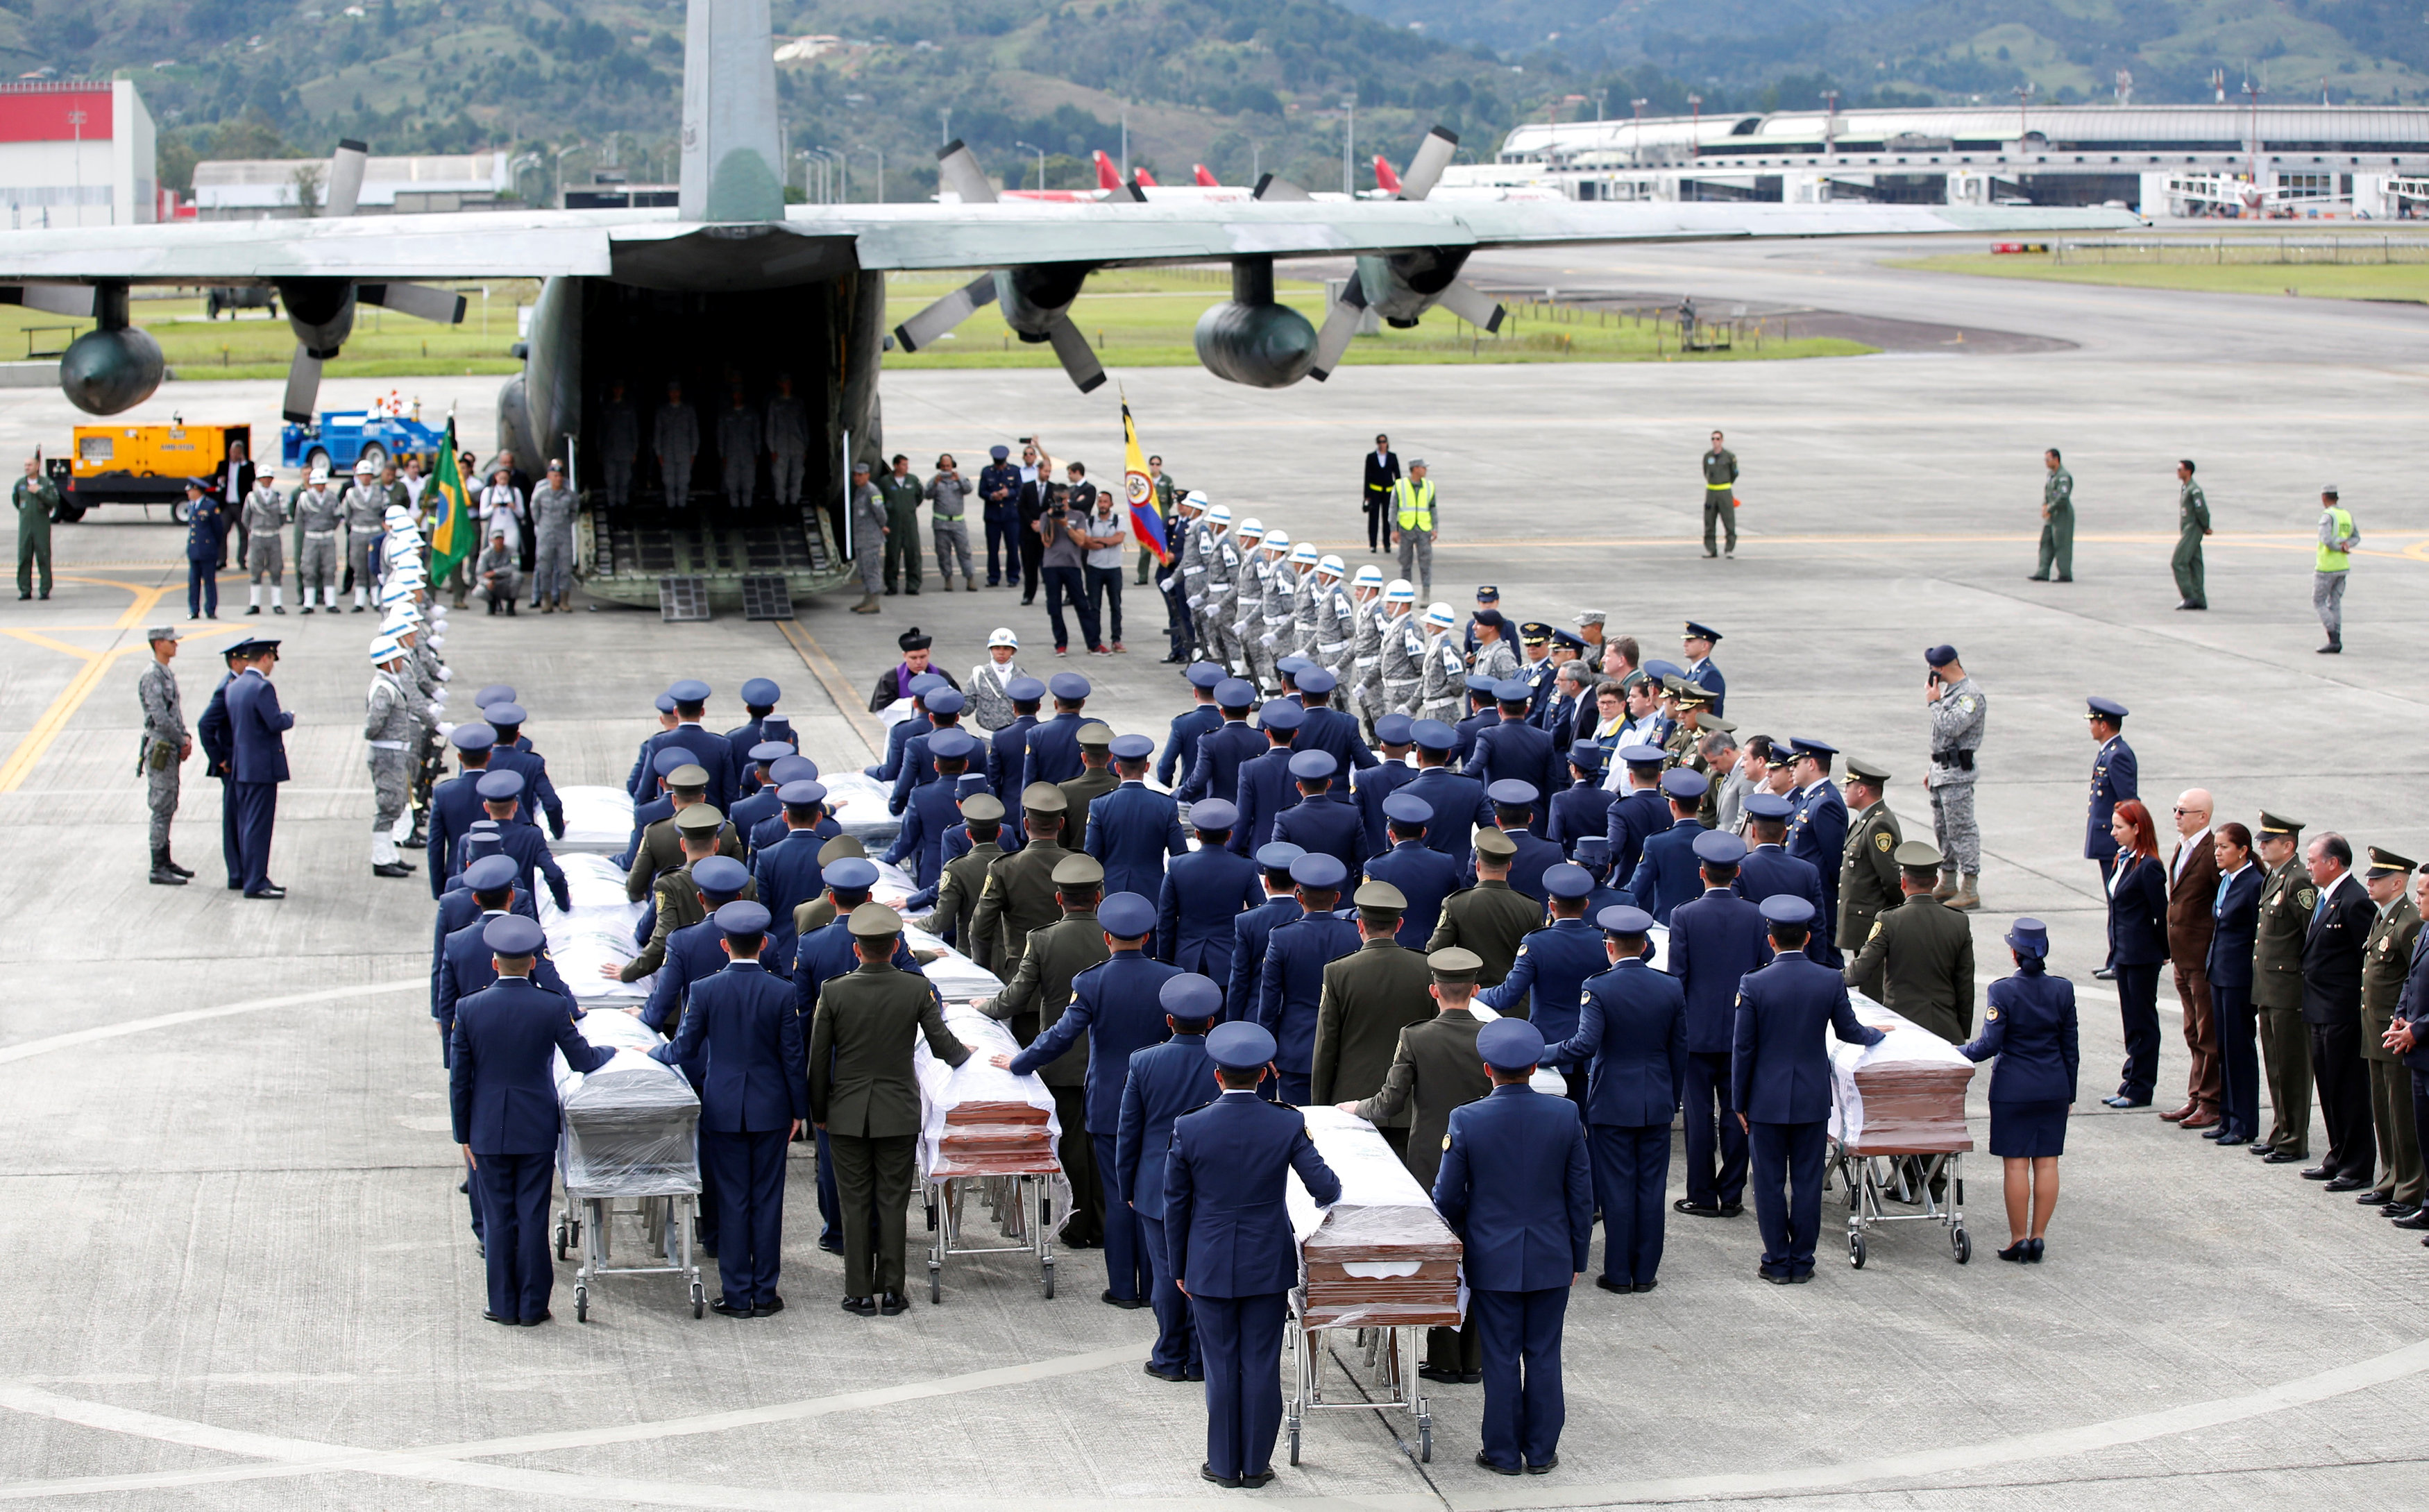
[(244, 1276)]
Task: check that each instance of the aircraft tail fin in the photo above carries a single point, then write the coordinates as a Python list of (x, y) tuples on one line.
[(1108, 176), (1203, 178), (1146, 179), (1385, 179), (731, 168)]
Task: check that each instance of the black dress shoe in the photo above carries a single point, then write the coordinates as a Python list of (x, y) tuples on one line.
[(2261, 1146), (534, 1322), (2397, 1209), (1696, 1210), (833, 1246), (1545, 1468), (1776, 1280), (1255, 1480), (2317, 1172), (2417, 1218), (496, 1319), (2279, 1158), (864, 1306), (2379, 1198), (767, 1308), (894, 1304), (2230, 1140), (726, 1309), (1646, 1285), (2216, 1131), (1206, 1472), (1497, 1469), (1438, 1376), (1623, 1288), (2345, 1184), (390, 868), (1730, 1209), (272, 894), (2104, 974), (1176, 1377), (1131, 1304)]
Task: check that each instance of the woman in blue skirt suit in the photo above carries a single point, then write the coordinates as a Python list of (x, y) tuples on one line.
[(2029, 1025)]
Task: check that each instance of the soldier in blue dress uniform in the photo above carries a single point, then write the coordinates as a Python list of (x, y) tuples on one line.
[(1233, 1257), (1132, 828), (1581, 811), (1213, 768), (1201, 718), (1203, 893), (1289, 990), (1253, 928), (1424, 875), (1514, 750), (1817, 835), (1319, 823), (2028, 1023), (1458, 802), (1668, 873), (1546, 980), (1166, 1082), (1514, 1184), (1631, 1037), (1716, 940)]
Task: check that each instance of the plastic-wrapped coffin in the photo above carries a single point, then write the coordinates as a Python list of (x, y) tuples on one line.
[(596, 931), (596, 819), (629, 1126)]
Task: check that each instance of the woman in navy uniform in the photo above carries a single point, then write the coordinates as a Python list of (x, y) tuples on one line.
[(2138, 945), (2029, 1026)]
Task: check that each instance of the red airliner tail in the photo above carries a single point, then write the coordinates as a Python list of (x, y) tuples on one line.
[(1385, 179), (1205, 179), (1108, 176)]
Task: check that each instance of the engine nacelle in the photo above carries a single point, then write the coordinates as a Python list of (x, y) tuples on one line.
[(321, 311), (1032, 296), (1404, 284), (107, 373), (1265, 346)]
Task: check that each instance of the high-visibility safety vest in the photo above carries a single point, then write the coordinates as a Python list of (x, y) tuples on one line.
[(2332, 560), (1414, 502)]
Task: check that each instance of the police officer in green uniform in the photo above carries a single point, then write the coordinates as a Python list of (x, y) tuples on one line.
[(1491, 918), (2193, 523), (35, 497), (1018, 895), (2385, 962), (864, 1096), (1868, 871), (1039, 991), (2058, 521), (2287, 900), (1918, 960), (1720, 496)]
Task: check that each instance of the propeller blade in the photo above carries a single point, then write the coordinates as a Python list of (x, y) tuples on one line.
[(1426, 168), (1274, 186), (51, 299), (303, 386), (1478, 310), (1079, 358), (420, 301), (933, 322), (345, 187), (958, 170), (1341, 322)]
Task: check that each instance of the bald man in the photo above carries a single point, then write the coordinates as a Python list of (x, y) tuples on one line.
[(2192, 891)]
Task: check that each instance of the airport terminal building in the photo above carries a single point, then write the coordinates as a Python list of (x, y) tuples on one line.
[(2169, 159)]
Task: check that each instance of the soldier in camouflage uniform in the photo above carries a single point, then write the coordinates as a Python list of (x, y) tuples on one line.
[(1247, 592), (365, 502), (1960, 713), (1445, 685), (318, 513), (165, 744), (553, 507), (265, 547), (1400, 650), (396, 722), (1224, 563), (1362, 676), (1266, 627), (1297, 637), (1332, 625), (1187, 575)]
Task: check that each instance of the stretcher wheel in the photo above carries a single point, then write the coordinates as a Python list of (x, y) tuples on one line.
[(560, 1239), (1961, 1244), (1425, 1443), (1049, 1285), (581, 1304), (699, 1300), (1855, 1251), (936, 1283)]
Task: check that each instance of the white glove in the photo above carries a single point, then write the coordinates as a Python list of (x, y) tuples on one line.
[(438, 696), (445, 674)]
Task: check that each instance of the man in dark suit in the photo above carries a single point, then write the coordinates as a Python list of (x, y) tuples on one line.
[(1515, 1184), (2236, 914), (1515, 750), (2192, 895), (2332, 970), (1458, 802), (1053, 752), (1317, 822), (1715, 941), (1633, 1036), (739, 1024), (1424, 875), (1115, 1006), (1780, 1083), (1200, 719), (1166, 1082), (1228, 1231), (1383, 471), (1769, 871), (1214, 768), (257, 733), (501, 1101)]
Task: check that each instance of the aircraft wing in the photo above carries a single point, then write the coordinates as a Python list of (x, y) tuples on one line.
[(653, 247)]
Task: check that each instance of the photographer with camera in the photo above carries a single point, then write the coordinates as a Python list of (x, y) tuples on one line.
[(1959, 714), (1063, 528)]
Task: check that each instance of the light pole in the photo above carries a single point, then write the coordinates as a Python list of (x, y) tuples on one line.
[(76, 124), (2023, 93), (943, 125), (880, 197), (556, 170), (1348, 143), (1033, 147), (1636, 153)]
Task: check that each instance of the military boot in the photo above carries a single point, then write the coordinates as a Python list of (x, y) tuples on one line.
[(867, 605), (1968, 896), (1947, 888), (163, 875), (171, 861)]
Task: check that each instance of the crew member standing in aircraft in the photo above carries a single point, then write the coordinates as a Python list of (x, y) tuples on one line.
[(675, 439), (619, 442), (737, 451), (788, 441), (867, 536)]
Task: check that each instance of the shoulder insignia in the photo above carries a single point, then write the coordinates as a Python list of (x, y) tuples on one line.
[(1990, 1015), (1881, 841), (2308, 899), (1966, 703), (1878, 925), (1446, 1142), (1522, 950), (989, 890)]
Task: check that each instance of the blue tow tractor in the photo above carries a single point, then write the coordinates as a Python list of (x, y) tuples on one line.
[(340, 437)]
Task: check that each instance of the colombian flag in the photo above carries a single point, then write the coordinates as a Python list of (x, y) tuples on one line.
[(1145, 522), (454, 534)]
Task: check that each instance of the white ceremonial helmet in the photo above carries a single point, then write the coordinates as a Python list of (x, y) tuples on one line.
[(1439, 616), (1332, 565), (1400, 590), (1194, 499), (1277, 542), (1250, 526), (1369, 576), (384, 648), (1219, 515), (1303, 554), (1004, 636)]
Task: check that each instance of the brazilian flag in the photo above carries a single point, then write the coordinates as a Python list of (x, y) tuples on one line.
[(454, 533)]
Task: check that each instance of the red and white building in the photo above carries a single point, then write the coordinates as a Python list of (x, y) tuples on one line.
[(75, 153)]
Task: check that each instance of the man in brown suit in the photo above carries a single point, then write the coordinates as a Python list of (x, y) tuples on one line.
[(1435, 1068), (1370, 995), (2192, 897)]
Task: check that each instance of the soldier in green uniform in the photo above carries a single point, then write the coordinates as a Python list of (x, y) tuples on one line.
[(1868, 872), (1095, 781), (1369, 996), (1019, 892), (1434, 1068), (1918, 961), (2193, 523), (902, 490), (1720, 496), (2386, 960), (1035, 998), (35, 497), (2287, 900), (2058, 521), (866, 1099), (700, 830), (687, 788), (965, 875), (818, 912), (1491, 918)]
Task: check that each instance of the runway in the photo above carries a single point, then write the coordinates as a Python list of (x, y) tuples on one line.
[(244, 1278)]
